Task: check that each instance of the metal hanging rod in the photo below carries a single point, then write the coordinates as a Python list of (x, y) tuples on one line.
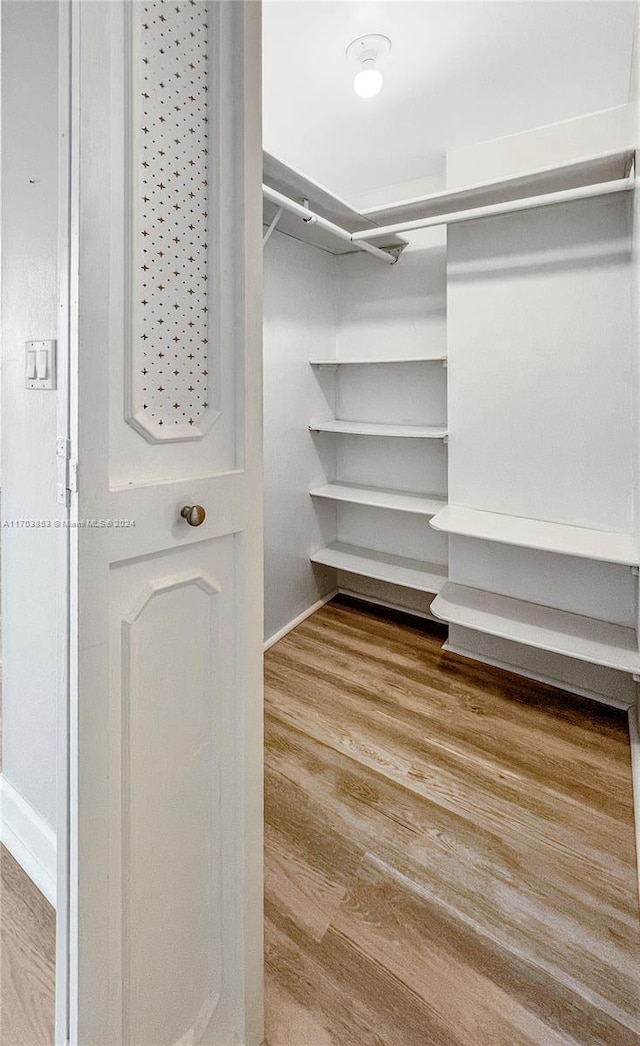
[(583, 192), (312, 218)]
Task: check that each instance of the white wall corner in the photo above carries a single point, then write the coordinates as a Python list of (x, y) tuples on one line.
[(282, 632), (29, 838)]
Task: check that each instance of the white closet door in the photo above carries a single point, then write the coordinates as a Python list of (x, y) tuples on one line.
[(162, 913)]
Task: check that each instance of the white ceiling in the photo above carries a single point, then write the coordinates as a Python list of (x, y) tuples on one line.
[(458, 73)]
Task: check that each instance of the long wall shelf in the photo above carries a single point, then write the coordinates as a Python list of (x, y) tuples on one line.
[(572, 635), (367, 361), (339, 228), (396, 570), (582, 542), (378, 497), (371, 428), (578, 174)]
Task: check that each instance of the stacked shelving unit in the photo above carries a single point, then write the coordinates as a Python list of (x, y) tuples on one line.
[(419, 575), (470, 519)]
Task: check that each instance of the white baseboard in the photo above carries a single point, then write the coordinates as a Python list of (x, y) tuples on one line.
[(281, 633), (602, 699), (29, 838), (386, 604), (634, 737)]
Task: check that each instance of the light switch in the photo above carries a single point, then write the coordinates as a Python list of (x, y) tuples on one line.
[(40, 365)]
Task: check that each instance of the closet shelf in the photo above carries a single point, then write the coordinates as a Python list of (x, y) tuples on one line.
[(582, 542), (396, 570), (296, 186), (372, 359), (557, 631), (372, 428), (583, 174), (378, 497)]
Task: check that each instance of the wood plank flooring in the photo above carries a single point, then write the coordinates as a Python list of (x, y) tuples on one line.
[(450, 849), (449, 856), (27, 959)]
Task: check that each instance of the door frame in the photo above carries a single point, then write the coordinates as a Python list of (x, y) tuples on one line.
[(67, 619)]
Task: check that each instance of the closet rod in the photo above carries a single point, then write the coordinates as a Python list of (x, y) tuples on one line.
[(583, 192), (316, 219)]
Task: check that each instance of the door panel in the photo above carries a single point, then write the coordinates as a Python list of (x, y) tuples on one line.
[(173, 725), (165, 814)]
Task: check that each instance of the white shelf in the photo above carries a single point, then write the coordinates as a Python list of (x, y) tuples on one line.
[(378, 497), (606, 546), (572, 635), (371, 359), (371, 428), (396, 570), (588, 171), (290, 182)]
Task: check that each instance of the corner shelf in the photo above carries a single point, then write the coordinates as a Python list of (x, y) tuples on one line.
[(367, 361), (289, 181), (378, 497), (572, 635), (372, 428), (582, 542), (396, 570)]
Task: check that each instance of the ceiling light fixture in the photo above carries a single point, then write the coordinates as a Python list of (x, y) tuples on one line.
[(366, 53)]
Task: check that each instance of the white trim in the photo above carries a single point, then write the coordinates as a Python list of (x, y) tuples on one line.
[(634, 740), (29, 838), (281, 633), (559, 684), (387, 604)]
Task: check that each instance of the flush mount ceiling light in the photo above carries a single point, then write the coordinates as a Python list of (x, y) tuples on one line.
[(366, 54)]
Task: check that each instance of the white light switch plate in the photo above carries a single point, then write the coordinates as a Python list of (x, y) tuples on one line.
[(40, 365)]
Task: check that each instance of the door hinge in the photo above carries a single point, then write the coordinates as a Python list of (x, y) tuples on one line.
[(67, 472)]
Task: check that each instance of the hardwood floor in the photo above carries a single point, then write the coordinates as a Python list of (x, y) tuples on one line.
[(450, 856), (450, 849), (27, 959)]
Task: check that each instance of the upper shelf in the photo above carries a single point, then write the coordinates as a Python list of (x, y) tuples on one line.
[(375, 428), (292, 183), (306, 211), (582, 542), (592, 170), (351, 362)]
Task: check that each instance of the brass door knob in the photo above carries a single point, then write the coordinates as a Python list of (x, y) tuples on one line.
[(194, 515)]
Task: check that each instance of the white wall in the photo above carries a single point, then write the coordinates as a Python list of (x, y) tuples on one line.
[(350, 306), (541, 369), (299, 323), (29, 307), (392, 312), (541, 388)]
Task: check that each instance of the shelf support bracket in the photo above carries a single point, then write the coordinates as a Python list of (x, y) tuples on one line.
[(276, 219)]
